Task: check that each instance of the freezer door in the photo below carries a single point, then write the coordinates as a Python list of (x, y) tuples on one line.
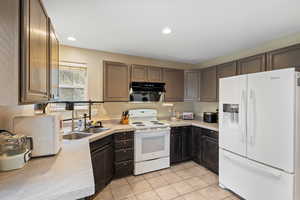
[(232, 114), (254, 181), (271, 118)]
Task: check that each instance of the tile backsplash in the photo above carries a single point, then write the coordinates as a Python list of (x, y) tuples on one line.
[(200, 107), (110, 110)]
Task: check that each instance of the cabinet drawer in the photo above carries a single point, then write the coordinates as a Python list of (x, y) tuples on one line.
[(100, 143), (123, 169), (210, 133), (124, 136), (123, 144), (123, 155)]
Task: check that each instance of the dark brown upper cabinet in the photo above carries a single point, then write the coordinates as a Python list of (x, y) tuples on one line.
[(208, 85), (54, 63), (284, 58), (252, 64), (116, 81), (225, 70), (154, 74), (139, 73), (174, 80), (35, 67)]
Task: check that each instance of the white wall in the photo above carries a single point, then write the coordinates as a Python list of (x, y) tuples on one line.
[(265, 47)]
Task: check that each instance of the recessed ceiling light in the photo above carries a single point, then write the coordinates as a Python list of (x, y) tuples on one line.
[(166, 31), (72, 38)]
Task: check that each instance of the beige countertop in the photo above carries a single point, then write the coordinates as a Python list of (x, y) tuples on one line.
[(68, 175), (198, 123)]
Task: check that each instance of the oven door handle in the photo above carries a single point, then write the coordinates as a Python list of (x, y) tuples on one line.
[(153, 130)]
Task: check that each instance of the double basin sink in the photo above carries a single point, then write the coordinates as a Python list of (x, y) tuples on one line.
[(82, 134)]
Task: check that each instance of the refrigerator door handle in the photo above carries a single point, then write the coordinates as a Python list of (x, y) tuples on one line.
[(243, 116), (252, 116), (260, 169)]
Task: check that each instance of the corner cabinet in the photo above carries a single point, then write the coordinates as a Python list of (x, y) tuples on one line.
[(116, 81), (208, 85), (192, 85), (174, 80), (35, 67)]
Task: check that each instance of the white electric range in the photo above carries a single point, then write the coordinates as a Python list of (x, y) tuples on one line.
[(151, 141)]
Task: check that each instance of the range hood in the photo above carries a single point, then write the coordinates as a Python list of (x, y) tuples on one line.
[(146, 91)]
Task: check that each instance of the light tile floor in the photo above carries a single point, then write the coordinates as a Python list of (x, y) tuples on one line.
[(185, 181)]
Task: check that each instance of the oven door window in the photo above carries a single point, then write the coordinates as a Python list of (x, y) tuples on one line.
[(153, 144)]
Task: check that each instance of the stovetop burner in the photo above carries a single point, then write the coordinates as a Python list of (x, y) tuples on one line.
[(140, 125), (137, 122), (158, 123)]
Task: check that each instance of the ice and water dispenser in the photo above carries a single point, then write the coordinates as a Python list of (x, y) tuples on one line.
[(231, 115)]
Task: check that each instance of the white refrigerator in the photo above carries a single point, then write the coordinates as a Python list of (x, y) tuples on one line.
[(259, 135)]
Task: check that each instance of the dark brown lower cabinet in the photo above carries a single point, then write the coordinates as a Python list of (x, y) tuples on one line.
[(102, 154), (180, 144), (206, 148), (197, 145), (210, 153)]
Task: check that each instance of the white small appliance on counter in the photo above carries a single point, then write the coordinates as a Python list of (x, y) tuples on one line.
[(45, 129), (151, 141), (187, 115)]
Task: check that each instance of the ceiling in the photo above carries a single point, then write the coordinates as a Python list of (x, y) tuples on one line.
[(201, 29)]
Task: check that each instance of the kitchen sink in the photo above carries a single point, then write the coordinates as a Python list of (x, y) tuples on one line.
[(93, 130), (75, 136)]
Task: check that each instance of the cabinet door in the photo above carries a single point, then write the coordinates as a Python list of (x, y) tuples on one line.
[(35, 68), (225, 70), (116, 81), (197, 145), (109, 164), (210, 153), (175, 147), (102, 161), (9, 51), (54, 63), (174, 80), (252, 64), (154, 74), (208, 91), (284, 58), (139, 73), (186, 143), (191, 85), (98, 158)]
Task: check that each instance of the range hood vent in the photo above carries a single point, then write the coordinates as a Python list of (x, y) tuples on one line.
[(146, 91)]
